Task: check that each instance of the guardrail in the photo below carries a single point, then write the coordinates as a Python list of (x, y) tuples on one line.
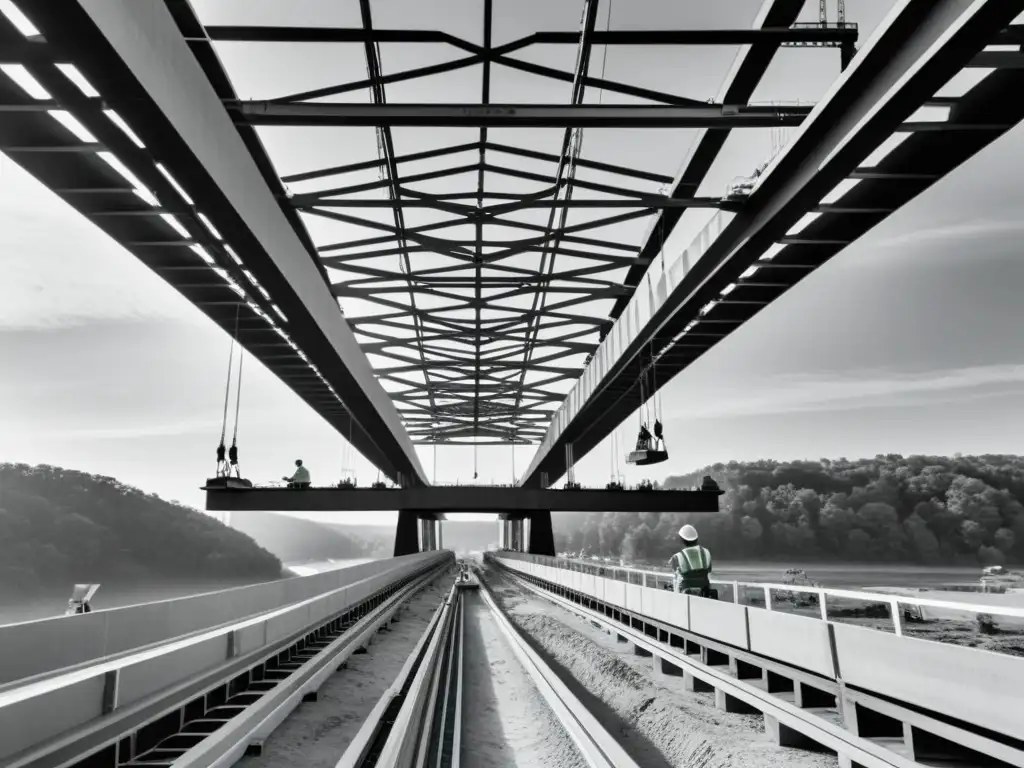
[(663, 579), (44, 646), (143, 685), (978, 689)]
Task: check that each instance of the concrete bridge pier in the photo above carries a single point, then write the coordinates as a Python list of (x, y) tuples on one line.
[(417, 531), (542, 537), (514, 535), (407, 537), (537, 538)]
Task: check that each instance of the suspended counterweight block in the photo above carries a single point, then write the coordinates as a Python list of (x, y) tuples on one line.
[(218, 483), (649, 456)]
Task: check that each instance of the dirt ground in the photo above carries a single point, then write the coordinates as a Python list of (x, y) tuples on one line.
[(505, 721), (659, 723)]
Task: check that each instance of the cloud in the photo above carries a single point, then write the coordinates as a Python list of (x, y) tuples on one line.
[(808, 393), (59, 270), (965, 230), (132, 431)]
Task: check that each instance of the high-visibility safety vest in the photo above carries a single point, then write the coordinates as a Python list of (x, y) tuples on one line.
[(694, 566)]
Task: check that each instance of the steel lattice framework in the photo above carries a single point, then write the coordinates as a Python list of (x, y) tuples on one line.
[(481, 316), (477, 252)]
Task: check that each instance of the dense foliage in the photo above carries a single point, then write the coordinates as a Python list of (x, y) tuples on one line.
[(59, 526), (926, 509)]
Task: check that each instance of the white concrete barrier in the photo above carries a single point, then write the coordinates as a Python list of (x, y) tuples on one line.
[(48, 645), (796, 640), (975, 686), (37, 711)]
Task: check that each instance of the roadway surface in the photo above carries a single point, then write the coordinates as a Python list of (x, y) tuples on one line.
[(506, 721)]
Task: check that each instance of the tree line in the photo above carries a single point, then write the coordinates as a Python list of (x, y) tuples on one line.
[(960, 510), (59, 526)]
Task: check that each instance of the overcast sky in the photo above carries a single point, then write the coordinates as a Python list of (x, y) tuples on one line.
[(908, 341)]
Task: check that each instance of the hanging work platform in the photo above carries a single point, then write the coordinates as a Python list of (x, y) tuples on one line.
[(646, 456), (650, 449)]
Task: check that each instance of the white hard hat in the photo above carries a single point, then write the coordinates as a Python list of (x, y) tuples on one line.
[(688, 532)]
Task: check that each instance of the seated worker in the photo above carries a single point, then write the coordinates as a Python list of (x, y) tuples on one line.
[(692, 565), (301, 477)]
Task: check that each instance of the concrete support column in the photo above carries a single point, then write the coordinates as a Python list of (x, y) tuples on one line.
[(426, 539), (542, 538), (407, 540), (517, 535), (440, 536)]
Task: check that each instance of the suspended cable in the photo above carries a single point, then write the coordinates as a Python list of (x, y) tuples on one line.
[(222, 465), (233, 452)]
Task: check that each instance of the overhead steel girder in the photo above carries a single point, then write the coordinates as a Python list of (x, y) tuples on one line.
[(919, 48), (651, 202), (518, 115), (173, 105), (780, 35), (747, 71)]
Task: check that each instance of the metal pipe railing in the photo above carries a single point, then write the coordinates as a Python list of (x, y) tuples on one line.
[(657, 579)]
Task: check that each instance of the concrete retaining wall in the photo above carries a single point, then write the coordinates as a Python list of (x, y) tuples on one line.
[(46, 645)]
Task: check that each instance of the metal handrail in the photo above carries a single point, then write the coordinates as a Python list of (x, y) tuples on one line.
[(640, 577)]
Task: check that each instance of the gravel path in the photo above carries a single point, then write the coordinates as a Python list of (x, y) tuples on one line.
[(657, 722), (316, 734), (506, 723)]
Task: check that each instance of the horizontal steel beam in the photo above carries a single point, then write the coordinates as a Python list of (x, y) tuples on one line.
[(519, 115), (652, 202), (797, 34), (466, 498)]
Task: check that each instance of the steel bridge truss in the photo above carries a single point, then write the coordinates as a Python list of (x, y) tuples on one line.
[(472, 341), (483, 305)]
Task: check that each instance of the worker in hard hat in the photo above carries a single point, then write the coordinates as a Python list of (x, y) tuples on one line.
[(691, 565), (301, 477)]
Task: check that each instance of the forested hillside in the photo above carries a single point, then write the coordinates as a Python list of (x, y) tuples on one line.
[(925, 509), (59, 526), (294, 539)]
